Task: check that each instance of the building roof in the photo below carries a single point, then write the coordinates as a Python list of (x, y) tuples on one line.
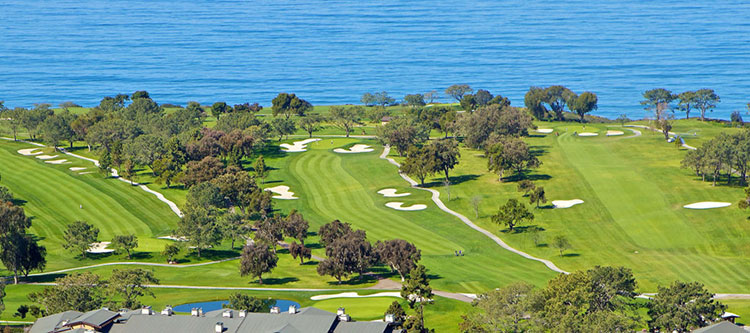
[(721, 327), (53, 322), (305, 320)]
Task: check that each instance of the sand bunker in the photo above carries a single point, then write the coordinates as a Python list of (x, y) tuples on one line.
[(62, 161), (77, 169), (298, 146), (355, 295), (86, 173), (99, 247), (588, 134), (174, 238), (566, 203), (282, 191), (391, 193), (29, 152), (544, 130), (358, 148), (398, 206), (707, 205), (46, 157), (614, 133)]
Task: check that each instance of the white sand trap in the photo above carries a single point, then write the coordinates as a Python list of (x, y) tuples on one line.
[(588, 134), (86, 173), (62, 161), (174, 238), (29, 152), (707, 205), (566, 203), (614, 133), (399, 206), (100, 247), (391, 193), (355, 295), (282, 191), (77, 169), (46, 157), (544, 130), (358, 148), (298, 146)]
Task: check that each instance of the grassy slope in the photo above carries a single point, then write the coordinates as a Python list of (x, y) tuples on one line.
[(343, 186), (633, 216)]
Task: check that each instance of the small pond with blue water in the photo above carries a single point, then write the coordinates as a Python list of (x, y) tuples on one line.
[(283, 304)]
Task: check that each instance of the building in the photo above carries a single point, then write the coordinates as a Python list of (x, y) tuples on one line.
[(721, 327), (220, 321)]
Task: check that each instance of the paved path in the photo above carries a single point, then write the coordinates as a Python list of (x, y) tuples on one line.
[(464, 219), (669, 133), (158, 195), (636, 133)]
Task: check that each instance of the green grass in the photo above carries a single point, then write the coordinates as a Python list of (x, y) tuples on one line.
[(634, 191)]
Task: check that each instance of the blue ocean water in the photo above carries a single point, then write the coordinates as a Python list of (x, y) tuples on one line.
[(333, 51)]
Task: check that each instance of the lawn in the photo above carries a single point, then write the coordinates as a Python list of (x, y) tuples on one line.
[(634, 191)]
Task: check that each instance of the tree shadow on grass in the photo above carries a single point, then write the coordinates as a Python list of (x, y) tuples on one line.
[(272, 181), (525, 176), (313, 246), (570, 255), (211, 255), (18, 202), (140, 255), (525, 228), (277, 281), (455, 180), (43, 278), (271, 151)]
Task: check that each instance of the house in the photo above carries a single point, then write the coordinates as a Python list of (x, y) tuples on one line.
[(721, 327), (220, 321)]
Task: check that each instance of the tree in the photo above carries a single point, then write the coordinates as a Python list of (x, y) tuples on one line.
[(686, 102), (57, 128), (501, 310), (400, 255), (511, 154), (167, 170), (483, 126), (283, 126), (533, 101), (233, 226), (21, 254), (78, 237), (468, 103), (512, 214), (199, 226), (256, 260), (124, 243), (657, 100), (299, 250), (414, 100), (219, 108), (5, 195), (483, 97), (683, 307), (395, 309), (296, 226), (417, 164), (33, 119), (347, 254), (14, 117), (202, 171), (289, 104), (329, 232), (444, 155), (457, 91), (561, 244), (346, 118), (146, 149), (140, 94), (239, 301), (260, 169), (269, 231), (205, 195), (417, 290), (170, 251), (583, 104), (526, 186), (475, 201), (665, 124), (557, 97), (76, 292), (403, 132), (310, 124), (22, 310), (131, 284), (368, 99), (706, 100), (382, 99), (431, 96), (537, 196)]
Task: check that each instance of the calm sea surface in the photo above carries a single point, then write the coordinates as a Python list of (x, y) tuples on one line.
[(333, 51)]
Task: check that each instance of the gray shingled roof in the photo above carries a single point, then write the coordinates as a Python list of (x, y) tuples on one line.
[(361, 327), (96, 318), (722, 327), (49, 323)]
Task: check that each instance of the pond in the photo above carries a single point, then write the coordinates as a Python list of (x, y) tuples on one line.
[(283, 304)]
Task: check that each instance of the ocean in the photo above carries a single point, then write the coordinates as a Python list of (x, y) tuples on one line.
[(331, 52)]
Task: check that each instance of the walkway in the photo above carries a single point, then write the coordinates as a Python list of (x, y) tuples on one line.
[(158, 195), (685, 145), (464, 219)]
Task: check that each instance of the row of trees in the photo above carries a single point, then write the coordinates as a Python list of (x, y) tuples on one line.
[(659, 100), (557, 97), (601, 299), (725, 154)]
